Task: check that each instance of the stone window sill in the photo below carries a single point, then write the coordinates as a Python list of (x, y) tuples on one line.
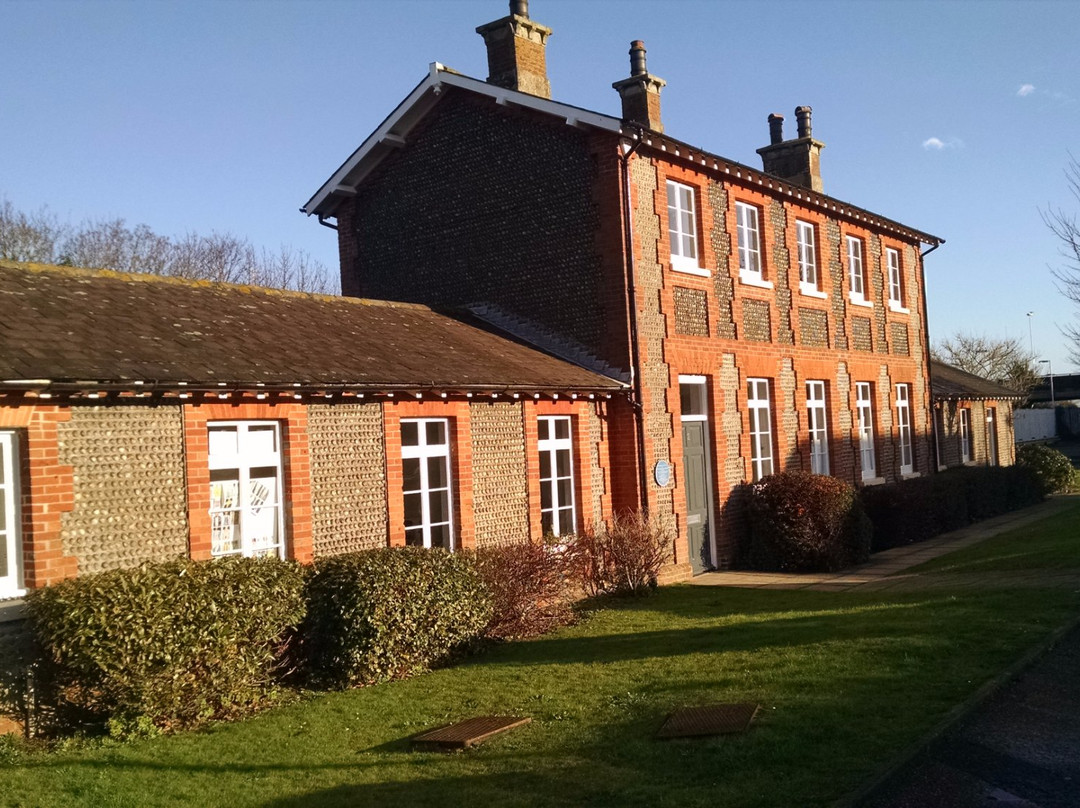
[(688, 267), (753, 279), (861, 301), (898, 308), (911, 475), (873, 481), (812, 291)]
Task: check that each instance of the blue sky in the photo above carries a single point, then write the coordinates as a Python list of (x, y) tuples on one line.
[(956, 118)]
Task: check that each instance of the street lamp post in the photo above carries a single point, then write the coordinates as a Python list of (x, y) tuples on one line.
[(1031, 340)]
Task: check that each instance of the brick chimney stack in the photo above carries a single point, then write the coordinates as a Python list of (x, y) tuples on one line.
[(516, 51), (640, 92), (797, 160)]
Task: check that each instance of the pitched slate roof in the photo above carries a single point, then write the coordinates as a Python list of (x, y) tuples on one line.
[(950, 383), (395, 130), (74, 325)]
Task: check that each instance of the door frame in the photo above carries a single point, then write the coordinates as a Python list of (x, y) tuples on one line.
[(704, 419)]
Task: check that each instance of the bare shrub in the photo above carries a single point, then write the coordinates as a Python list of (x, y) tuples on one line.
[(624, 556), (530, 586)]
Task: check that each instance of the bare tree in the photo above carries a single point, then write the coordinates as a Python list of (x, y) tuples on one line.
[(29, 236), (1063, 224), (113, 244), (1001, 360)]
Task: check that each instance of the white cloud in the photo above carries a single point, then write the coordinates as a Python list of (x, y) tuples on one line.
[(937, 144), (1025, 90)]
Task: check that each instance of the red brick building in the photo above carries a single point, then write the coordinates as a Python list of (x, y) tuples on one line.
[(143, 418), (761, 324)]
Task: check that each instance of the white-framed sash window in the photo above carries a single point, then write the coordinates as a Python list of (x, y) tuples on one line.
[(682, 229), (964, 418), (896, 280), (761, 450), (903, 422), (818, 425), (748, 232), (245, 488), (11, 561), (856, 277), (864, 405), (556, 450), (426, 482), (808, 272)]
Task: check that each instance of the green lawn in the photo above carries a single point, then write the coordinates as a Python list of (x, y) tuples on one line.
[(845, 680), (1051, 544)]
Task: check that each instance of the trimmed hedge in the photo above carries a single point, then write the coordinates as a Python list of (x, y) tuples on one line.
[(802, 522), (916, 510), (166, 645), (388, 614)]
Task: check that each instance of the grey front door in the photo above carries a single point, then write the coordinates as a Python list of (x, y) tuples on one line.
[(698, 493)]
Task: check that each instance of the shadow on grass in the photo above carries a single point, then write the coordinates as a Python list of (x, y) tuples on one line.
[(747, 630)]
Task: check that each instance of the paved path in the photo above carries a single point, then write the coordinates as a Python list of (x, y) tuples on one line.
[(886, 569), (1021, 748)]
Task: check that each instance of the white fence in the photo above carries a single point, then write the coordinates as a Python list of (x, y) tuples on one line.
[(1032, 425)]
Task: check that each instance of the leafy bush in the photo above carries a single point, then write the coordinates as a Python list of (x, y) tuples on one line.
[(804, 522), (624, 556), (387, 614), (530, 588), (166, 645), (1053, 469)]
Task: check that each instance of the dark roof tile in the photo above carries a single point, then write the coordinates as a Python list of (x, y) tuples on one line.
[(68, 324)]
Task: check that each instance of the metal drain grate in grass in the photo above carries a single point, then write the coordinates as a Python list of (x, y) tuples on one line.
[(466, 733), (711, 719)]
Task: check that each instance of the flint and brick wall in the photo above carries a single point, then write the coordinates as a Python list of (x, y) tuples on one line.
[(494, 205), (500, 487), (128, 486), (348, 478), (112, 486), (776, 332)]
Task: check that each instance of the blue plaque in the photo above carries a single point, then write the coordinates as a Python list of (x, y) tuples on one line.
[(662, 473)]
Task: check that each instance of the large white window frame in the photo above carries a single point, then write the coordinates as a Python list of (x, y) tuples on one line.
[(748, 237), (896, 280), (555, 446), (856, 274), (903, 423), (817, 421), (427, 484), (11, 560), (760, 414), (992, 457), (964, 420), (682, 229), (808, 272), (864, 406), (246, 491)]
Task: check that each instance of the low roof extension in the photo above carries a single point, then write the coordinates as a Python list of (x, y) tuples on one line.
[(948, 383), (87, 333)]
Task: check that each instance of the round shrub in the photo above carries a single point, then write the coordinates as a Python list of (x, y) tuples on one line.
[(802, 522), (387, 614), (167, 645), (1053, 469)]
